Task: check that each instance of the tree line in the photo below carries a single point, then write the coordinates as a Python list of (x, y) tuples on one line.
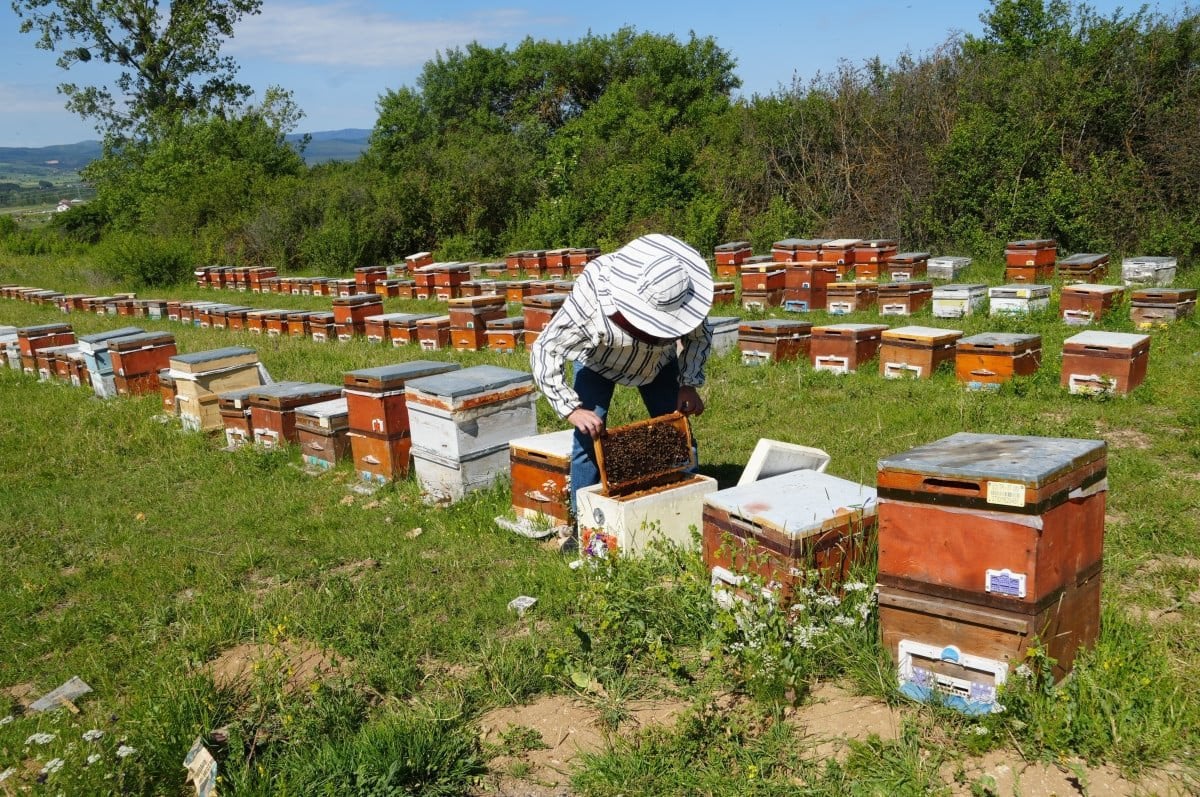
[(1055, 121)]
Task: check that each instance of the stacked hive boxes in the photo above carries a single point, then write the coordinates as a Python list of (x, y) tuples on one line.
[(1151, 307), (322, 430), (1030, 261), (988, 544), (904, 298), (200, 376), (469, 317), (273, 410), (137, 359), (42, 336), (377, 416), (98, 361), (805, 286), (461, 424)]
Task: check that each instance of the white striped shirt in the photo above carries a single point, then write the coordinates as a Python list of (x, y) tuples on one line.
[(582, 333)]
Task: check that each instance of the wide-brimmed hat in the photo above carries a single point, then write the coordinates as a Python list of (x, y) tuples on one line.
[(660, 285)]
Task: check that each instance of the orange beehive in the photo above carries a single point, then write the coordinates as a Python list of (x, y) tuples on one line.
[(984, 362), (541, 472), (842, 298), (763, 277), (539, 309), (434, 332), (795, 250), (506, 334), (273, 409), (1031, 252), (843, 348), (375, 396), (915, 351)]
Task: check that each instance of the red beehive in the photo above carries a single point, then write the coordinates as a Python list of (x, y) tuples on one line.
[(322, 432), (1104, 362), (447, 277), (30, 339), (469, 317), (277, 323), (773, 339), (380, 458), (516, 291), (434, 332), (1151, 307), (1031, 252), (904, 298), (724, 292), (874, 251), (375, 396), (759, 301), (842, 348), (791, 250), (166, 389), (729, 256), (297, 322), (1082, 304), (557, 262), (839, 251), (533, 261), (137, 359), (402, 327), (539, 309), (418, 260), (350, 314), (579, 257), (762, 277), (541, 472), (365, 277), (806, 285), (273, 410)]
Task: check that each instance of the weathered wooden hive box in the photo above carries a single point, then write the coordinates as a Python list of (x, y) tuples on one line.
[(1148, 270), (273, 410), (946, 267), (322, 431), (958, 299), (1151, 307), (234, 406), (1031, 252), (469, 316), (1084, 303), (1104, 362), (1083, 267), (724, 333), (791, 531), (762, 277), (724, 292), (461, 424), (904, 298), (645, 491), (98, 359), (433, 332), (447, 279), (200, 376), (506, 334), (729, 256), (375, 396), (322, 327), (773, 340), (367, 276), (907, 266), (166, 390), (842, 348), (987, 545), (870, 258), (376, 326), (541, 475), (797, 249), (402, 327), (843, 298), (915, 351), (350, 314), (41, 336), (988, 360), (137, 359), (1018, 299), (806, 285)]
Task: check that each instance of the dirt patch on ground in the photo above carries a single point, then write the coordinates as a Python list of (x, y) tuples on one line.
[(1169, 614), (436, 668), (525, 629), (23, 694), (1124, 438), (1113, 517), (834, 716), (299, 664), (355, 571), (567, 728), (1006, 774)]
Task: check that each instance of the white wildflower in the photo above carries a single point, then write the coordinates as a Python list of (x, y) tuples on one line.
[(864, 610), (124, 751), (6, 720), (828, 600), (93, 758), (40, 738), (93, 735), (52, 766), (6, 774), (1024, 671), (979, 730), (855, 586), (843, 620)]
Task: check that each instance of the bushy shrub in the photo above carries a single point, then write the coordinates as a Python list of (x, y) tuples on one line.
[(83, 224), (142, 260)]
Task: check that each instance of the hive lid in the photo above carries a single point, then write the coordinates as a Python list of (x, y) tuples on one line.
[(878, 243), (1005, 340), (506, 324), (325, 409), (104, 337), (950, 260), (543, 300), (909, 257), (1020, 291), (468, 381), (202, 361), (286, 395), (1032, 243), (798, 503), (238, 399), (777, 326), (397, 375), (835, 329), (1030, 461), (724, 323), (555, 444), (1083, 259), (1088, 287), (141, 340), (800, 243), (922, 334), (733, 246), (1157, 261), (386, 318), (42, 329), (915, 286), (1171, 295), (663, 445), (357, 299), (1106, 340), (842, 243)]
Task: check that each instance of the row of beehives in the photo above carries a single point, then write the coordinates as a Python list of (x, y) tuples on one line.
[(455, 438), (1092, 361), (986, 544), (417, 277), (1026, 261)]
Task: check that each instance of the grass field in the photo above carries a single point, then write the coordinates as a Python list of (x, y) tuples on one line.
[(325, 641)]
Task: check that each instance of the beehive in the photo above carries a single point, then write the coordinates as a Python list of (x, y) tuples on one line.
[(806, 285), (907, 266), (915, 351), (1148, 270), (988, 360), (1083, 267), (958, 299), (273, 410), (1082, 304), (797, 249), (322, 432), (904, 298), (1104, 362), (773, 340), (844, 298), (1150, 307), (946, 267), (1018, 299), (375, 396), (842, 348), (541, 474)]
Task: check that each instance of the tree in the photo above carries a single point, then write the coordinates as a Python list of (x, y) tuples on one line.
[(170, 60)]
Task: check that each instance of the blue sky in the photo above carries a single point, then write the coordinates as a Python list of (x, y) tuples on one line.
[(339, 56)]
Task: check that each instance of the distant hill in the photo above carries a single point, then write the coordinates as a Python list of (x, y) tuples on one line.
[(326, 145)]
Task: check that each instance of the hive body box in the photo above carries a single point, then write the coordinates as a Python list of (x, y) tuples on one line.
[(627, 524), (763, 277), (724, 333), (946, 267), (759, 301), (375, 396), (842, 348), (797, 249), (1150, 307), (844, 298), (915, 351), (773, 340), (321, 327), (273, 410), (1148, 270), (234, 406), (874, 252), (806, 286), (200, 376), (166, 390), (1031, 252), (907, 266), (377, 326), (790, 530), (461, 424), (839, 252), (986, 541), (1104, 362), (904, 298), (724, 293), (506, 334), (729, 256), (958, 299), (538, 309), (402, 327), (986, 361), (433, 333), (137, 359), (350, 314), (469, 316), (1082, 304), (1083, 267), (322, 432), (541, 475), (1018, 299), (98, 360)]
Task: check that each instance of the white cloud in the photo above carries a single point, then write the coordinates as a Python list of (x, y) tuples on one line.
[(345, 34), (22, 98)]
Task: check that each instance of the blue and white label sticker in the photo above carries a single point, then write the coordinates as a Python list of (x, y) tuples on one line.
[(1005, 582)]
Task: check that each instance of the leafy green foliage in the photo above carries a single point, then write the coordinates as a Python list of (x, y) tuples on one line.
[(146, 260)]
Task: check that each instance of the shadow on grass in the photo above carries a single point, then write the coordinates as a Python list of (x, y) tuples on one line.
[(726, 474)]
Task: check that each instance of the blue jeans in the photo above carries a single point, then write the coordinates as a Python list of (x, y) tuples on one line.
[(595, 393)]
